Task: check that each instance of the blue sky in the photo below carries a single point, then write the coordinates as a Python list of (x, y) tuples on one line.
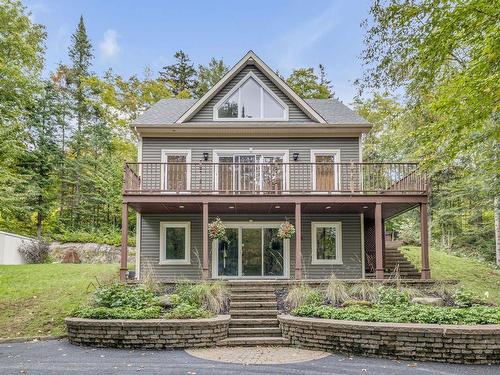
[(129, 35)]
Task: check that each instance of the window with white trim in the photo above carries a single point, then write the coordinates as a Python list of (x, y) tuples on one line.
[(251, 100), (326, 242), (175, 240)]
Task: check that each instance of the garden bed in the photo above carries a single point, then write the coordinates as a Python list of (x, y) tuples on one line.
[(478, 344), (148, 333)]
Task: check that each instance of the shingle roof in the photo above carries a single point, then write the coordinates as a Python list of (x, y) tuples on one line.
[(167, 111)]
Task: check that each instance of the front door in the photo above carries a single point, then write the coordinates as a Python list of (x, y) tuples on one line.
[(251, 251)]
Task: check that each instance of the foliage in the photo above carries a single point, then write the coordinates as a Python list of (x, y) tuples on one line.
[(121, 295), (35, 298), (34, 251), (336, 291), (91, 312), (365, 291), (480, 278), (303, 294), (217, 230), (354, 302), (307, 84), (180, 77), (210, 296), (392, 296), (464, 297), (405, 313), (209, 75), (187, 311), (286, 230)]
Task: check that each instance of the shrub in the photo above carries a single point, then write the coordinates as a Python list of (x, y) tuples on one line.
[(187, 311), (444, 291), (392, 296), (122, 295), (465, 298), (336, 291), (365, 291), (91, 312), (34, 251), (303, 295), (410, 313)]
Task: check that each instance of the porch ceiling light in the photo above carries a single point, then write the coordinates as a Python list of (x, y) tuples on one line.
[(181, 206), (295, 156), (231, 207), (277, 206), (365, 207), (328, 207)]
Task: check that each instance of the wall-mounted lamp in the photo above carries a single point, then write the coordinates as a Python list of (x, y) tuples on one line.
[(205, 156), (295, 156)]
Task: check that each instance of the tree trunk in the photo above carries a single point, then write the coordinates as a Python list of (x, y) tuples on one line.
[(496, 208)]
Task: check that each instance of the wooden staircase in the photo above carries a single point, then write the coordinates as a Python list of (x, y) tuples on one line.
[(394, 258), (254, 314)]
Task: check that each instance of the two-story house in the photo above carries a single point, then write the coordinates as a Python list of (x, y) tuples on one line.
[(254, 154)]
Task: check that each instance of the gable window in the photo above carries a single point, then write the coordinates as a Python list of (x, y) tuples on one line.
[(251, 100), (175, 242), (326, 243)]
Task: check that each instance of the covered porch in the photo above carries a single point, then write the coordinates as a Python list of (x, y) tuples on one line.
[(249, 215)]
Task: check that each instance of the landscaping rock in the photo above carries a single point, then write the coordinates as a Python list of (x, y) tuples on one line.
[(71, 256), (165, 302), (90, 252), (428, 301)]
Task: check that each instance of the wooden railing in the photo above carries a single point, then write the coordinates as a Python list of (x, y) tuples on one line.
[(274, 178)]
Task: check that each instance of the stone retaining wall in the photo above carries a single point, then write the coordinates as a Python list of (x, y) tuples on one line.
[(424, 342), (148, 333)]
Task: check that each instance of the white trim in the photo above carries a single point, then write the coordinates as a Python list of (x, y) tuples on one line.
[(338, 242), (285, 153), (251, 58), (360, 148), (257, 225), (187, 244), (336, 159), (362, 225), (175, 151), (250, 75), (137, 246)]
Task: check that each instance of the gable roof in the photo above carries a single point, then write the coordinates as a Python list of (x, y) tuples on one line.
[(168, 111), (251, 59)]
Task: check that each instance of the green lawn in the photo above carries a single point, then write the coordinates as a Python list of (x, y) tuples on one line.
[(475, 276), (35, 298)]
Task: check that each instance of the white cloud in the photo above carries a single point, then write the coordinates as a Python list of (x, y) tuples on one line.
[(109, 45)]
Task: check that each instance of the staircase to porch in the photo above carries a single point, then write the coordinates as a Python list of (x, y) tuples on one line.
[(394, 258), (254, 314)]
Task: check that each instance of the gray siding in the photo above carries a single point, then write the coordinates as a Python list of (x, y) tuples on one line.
[(351, 246), (206, 113)]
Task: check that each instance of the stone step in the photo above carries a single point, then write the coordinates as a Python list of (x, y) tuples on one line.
[(253, 322), (255, 332), (253, 304), (253, 297), (253, 341), (245, 313)]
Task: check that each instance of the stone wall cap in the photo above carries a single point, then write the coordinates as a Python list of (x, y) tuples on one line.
[(149, 322), (476, 329)]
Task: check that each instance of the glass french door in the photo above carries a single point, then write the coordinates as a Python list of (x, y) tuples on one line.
[(251, 252)]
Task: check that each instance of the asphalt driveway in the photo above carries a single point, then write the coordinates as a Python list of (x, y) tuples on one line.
[(60, 357)]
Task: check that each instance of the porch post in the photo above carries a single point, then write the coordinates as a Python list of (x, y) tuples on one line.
[(205, 241), (124, 244), (298, 241), (424, 241), (379, 229)]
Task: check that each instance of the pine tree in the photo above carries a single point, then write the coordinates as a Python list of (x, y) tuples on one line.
[(180, 77), (209, 75)]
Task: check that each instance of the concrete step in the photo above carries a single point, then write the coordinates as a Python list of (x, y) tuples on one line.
[(253, 304), (251, 289), (253, 341), (253, 322), (255, 332), (245, 313), (253, 297)]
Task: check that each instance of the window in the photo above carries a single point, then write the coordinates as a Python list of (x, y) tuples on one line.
[(175, 242), (251, 100), (326, 243), (176, 170)]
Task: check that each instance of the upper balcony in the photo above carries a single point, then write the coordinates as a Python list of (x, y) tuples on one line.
[(274, 178)]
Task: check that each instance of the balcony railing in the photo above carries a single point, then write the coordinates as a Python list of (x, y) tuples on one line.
[(274, 178)]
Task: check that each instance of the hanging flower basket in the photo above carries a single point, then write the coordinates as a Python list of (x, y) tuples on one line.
[(217, 230), (286, 230)]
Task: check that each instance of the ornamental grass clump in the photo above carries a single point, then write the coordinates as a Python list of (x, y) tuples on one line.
[(211, 297), (336, 291), (364, 291), (301, 295)]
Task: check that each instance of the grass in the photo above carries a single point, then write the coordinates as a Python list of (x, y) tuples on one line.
[(35, 298), (473, 275)]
